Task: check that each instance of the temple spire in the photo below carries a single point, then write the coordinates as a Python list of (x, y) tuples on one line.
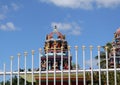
[(55, 29)]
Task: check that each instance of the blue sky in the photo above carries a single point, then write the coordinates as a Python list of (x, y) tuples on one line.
[(25, 23)]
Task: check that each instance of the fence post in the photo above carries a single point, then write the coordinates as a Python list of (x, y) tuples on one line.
[(99, 65), (25, 54), (54, 64), (33, 67), (91, 48), (11, 58), (18, 81), (115, 78), (47, 66), (62, 65), (106, 49), (69, 55), (4, 76), (84, 77), (40, 53), (76, 54)]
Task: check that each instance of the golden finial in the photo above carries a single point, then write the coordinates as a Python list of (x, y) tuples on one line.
[(91, 47), (98, 48), (68, 47), (55, 29), (76, 47), (19, 54), (25, 53), (33, 52), (83, 47), (61, 48)]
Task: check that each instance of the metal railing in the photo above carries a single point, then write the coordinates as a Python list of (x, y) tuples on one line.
[(91, 76)]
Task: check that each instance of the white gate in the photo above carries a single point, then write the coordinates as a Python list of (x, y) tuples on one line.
[(88, 76)]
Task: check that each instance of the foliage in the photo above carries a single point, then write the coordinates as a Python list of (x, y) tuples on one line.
[(14, 81), (74, 66), (103, 55)]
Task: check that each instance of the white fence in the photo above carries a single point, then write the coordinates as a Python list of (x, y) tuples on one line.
[(90, 76)]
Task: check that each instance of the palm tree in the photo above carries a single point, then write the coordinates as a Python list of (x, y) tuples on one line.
[(103, 54), (103, 62), (74, 66)]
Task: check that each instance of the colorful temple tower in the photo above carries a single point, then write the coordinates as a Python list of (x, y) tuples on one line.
[(55, 47), (56, 66), (116, 45)]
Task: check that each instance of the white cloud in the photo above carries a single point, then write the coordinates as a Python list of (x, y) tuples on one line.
[(107, 3), (4, 8), (61, 26), (75, 32), (84, 4), (15, 6), (94, 62), (71, 28), (9, 26), (3, 11), (2, 16), (7, 8)]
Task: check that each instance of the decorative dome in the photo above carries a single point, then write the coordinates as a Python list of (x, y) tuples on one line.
[(118, 31), (55, 31)]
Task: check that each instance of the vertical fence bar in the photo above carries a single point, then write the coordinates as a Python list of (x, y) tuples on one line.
[(33, 67), (25, 54), (76, 54), (115, 78), (40, 53), (106, 53), (84, 77), (18, 79), (91, 47), (47, 67), (62, 65), (11, 59), (99, 65), (54, 63), (69, 56), (4, 75)]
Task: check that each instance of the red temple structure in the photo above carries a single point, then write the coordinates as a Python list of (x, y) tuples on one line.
[(56, 59), (53, 44), (57, 46), (116, 45)]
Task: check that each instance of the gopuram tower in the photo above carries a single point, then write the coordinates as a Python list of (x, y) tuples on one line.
[(56, 51), (116, 45)]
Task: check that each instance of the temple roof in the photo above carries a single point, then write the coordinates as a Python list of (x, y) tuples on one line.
[(118, 31), (55, 32)]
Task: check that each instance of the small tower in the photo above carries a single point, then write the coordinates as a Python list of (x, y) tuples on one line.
[(116, 45), (55, 45)]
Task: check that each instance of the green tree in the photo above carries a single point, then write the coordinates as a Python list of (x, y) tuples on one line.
[(103, 54), (14, 81), (103, 65), (74, 66)]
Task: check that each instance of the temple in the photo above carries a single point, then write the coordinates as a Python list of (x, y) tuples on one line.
[(55, 46), (56, 59), (116, 45)]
